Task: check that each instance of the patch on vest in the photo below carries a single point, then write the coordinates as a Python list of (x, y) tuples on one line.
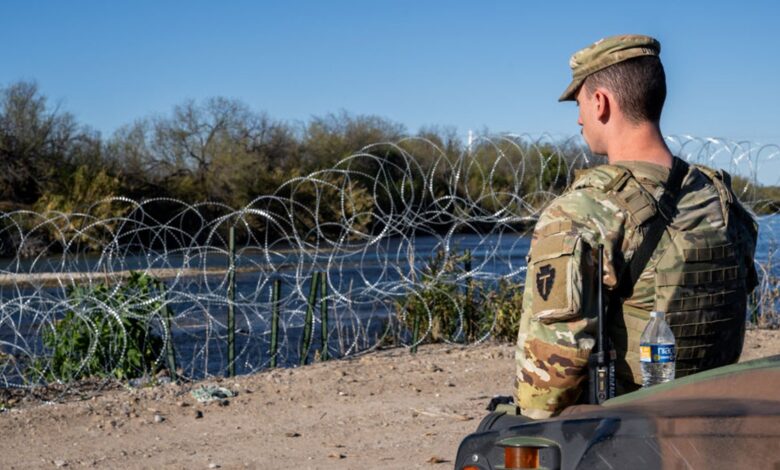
[(555, 289), (545, 278)]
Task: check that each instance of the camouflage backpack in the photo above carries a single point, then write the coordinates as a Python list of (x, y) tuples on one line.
[(699, 270)]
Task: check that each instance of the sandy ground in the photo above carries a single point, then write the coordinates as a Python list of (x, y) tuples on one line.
[(388, 409)]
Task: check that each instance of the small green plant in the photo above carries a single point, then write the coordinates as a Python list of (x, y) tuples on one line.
[(505, 304), (432, 308), (763, 301), (450, 310), (107, 332)]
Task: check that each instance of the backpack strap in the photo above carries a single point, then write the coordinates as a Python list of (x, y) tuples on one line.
[(667, 208)]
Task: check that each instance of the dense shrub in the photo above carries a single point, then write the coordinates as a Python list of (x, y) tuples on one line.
[(450, 306), (108, 331)]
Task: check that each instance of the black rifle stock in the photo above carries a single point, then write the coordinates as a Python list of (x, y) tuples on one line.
[(602, 361)]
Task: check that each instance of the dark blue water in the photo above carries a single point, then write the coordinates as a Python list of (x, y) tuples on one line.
[(768, 239)]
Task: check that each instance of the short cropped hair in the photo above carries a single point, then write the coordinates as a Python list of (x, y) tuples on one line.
[(639, 85)]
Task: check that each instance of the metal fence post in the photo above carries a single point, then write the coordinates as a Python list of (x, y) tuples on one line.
[(415, 332), (324, 334), (307, 324), (231, 294), (469, 312), (170, 353), (277, 286)]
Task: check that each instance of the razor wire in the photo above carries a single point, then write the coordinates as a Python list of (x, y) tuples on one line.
[(373, 225)]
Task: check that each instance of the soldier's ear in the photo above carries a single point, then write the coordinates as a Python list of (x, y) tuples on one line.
[(602, 100)]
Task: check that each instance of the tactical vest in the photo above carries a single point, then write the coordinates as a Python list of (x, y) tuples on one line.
[(700, 273)]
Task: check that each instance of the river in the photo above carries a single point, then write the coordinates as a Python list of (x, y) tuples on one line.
[(364, 284)]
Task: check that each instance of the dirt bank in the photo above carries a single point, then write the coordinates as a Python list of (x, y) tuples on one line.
[(385, 410)]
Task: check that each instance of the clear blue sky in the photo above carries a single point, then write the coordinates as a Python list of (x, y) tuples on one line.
[(471, 65)]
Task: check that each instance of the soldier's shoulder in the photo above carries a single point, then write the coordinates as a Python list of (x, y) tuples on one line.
[(720, 181), (717, 178), (580, 209), (703, 178), (606, 177), (573, 204), (709, 172), (599, 177), (588, 194)]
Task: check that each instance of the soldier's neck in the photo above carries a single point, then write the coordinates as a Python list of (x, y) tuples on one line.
[(639, 142)]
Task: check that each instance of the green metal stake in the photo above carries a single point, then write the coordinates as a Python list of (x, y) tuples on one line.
[(415, 333), (170, 353), (307, 324), (324, 318), (416, 319), (275, 320), (469, 313), (231, 316)]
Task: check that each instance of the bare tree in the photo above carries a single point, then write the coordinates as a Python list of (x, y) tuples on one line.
[(35, 142)]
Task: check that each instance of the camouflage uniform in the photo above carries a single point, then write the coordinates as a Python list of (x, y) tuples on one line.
[(699, 274)]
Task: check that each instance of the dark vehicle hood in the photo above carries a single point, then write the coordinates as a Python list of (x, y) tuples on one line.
[(724, 418)]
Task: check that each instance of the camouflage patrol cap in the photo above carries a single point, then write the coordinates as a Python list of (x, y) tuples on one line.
[(606, 52)]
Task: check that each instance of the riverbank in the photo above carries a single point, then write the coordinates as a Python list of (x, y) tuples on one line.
[(388, 409), (53, 279)]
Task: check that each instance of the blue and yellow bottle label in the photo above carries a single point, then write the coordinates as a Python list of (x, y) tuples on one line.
[(656, 353)]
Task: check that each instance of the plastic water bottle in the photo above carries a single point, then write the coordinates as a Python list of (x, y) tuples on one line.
[(657, 351)]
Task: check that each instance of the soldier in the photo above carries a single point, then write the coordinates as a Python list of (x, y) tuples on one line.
[(675, 238)]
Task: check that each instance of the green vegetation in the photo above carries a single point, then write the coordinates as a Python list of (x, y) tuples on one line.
[(765, 199), (221, 151), (108, 331), (449, 306)]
